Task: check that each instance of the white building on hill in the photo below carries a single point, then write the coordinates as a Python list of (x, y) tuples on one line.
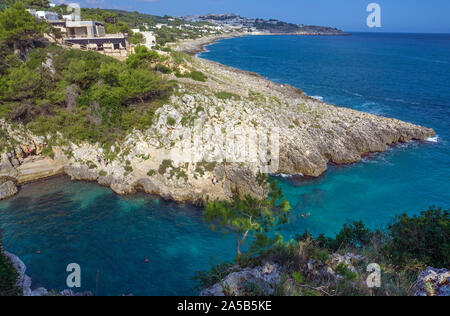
[(47, 15), (71, 17), (150, 39)]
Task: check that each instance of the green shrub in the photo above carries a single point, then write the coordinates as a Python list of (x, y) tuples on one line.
[(298, 277), (107, 97), (355, 235), (141, 57), (48, 151), (128, 169), (23, 83), (198, 76), (320, 255), (163, 69), (343, 270), (225, 95), (194, 75), (215, 275), (82, 72), (423, 239), (180, 57), (171, 121), (137, 38), (109, 72), (164, 165), (8, 277)]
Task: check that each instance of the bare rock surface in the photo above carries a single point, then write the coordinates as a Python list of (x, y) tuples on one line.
[(310, 135), (198, 45), (7, 190), (265, 278), (433, 282)]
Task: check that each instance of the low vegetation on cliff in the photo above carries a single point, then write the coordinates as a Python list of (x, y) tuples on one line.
[(324, 266), (8, 276), (115, 122), (85, 96)]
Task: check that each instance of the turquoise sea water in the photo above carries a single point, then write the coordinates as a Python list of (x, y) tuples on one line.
[(110, 237), (403, 76)]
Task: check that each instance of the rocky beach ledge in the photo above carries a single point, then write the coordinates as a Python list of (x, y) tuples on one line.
[(312, 134), (195, 46)]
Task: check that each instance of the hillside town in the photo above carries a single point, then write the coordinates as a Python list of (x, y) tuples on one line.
[(233, 22), (115, 33)]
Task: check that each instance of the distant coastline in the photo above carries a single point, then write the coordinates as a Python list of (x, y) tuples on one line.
[(196, 46)]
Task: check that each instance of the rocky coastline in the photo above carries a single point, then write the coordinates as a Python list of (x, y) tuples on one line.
[(268, 280), (312, 134), (196, 46)]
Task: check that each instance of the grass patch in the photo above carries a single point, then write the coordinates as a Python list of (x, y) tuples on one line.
[(171, 121), (194, 75), (165, 164), (223, 95)]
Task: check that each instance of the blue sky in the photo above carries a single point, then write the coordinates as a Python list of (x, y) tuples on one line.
[(349, 15)]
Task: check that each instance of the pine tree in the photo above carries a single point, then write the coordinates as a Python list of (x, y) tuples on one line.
[(245, 215), (18, 28)]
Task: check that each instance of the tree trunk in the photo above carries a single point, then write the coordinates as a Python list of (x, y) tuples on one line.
[(238, 245), (240, 242)]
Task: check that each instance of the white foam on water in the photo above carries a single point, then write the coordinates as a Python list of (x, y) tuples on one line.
[(433, 139), (371, 107), (283, 175), (317, 97)]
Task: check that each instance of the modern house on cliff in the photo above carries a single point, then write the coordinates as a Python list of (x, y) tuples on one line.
[(89, 35), (47, 15)]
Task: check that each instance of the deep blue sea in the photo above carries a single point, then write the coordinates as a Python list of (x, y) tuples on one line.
[(406, 76)]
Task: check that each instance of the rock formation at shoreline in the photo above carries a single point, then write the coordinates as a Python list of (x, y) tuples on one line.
[(312, 134), (7, 190), (433, 282), (24, 281), (195, 46), (267, 278)]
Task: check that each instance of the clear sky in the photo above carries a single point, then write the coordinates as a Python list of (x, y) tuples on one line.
[(349, 15)]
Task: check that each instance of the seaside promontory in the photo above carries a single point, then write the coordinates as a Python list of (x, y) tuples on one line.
[(312, 134), (138, 111), (162, 121)]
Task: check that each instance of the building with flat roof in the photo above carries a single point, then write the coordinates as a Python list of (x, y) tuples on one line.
[(71, 17), (90, 35), (46, 15), (81, 29)]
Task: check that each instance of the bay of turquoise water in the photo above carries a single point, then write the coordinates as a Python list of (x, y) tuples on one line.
[(406, 76)]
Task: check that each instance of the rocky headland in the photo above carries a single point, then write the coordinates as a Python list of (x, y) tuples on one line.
[(312, 134), (195, 46)]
